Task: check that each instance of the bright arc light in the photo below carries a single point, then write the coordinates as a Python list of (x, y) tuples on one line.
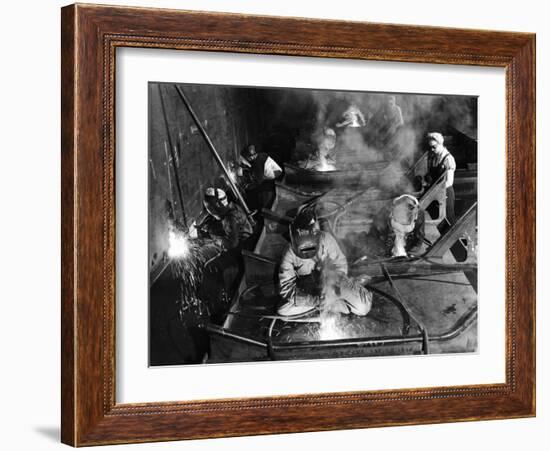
[(329, 329), (178, 245), (324, 165)]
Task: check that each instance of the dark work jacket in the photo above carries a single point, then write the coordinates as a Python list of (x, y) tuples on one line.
[(258, 167), (231, 231), (438, 170)]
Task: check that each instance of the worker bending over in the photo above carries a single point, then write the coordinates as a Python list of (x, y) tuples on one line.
[(401, 226), (225, 222), (313, 273)]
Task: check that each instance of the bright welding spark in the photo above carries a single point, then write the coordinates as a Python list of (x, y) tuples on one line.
[(329, 329), (179, 246), (324, 165)]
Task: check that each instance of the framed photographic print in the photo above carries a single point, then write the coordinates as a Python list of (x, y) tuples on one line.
[(278, 224)]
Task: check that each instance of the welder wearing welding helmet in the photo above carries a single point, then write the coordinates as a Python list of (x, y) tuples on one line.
[(225, 222), (310, 256), (305, 234), (215, 202)]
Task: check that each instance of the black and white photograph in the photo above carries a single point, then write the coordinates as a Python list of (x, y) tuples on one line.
[(297, 224)]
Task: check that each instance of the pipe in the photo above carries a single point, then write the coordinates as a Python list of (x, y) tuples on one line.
[(461, 326), (214, 152), (402, 309), (212, 328), (173, 156), (423, 330)]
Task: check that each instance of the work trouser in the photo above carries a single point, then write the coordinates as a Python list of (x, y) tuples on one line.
[(450, 205), (338, 294), (220, 279), (343, 294)]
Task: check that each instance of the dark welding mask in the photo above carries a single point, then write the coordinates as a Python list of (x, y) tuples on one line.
[(216, 202), (305, 234)]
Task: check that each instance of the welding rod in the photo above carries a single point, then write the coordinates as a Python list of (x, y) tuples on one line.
[(232, 185)]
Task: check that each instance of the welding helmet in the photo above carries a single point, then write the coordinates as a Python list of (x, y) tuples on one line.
[(305, 234), (215, 202), (404, 211)]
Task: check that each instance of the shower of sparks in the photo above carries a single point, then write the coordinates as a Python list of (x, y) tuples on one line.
[(187, 264), (329, 328)]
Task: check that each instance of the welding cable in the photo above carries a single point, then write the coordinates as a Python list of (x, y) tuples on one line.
[(274, 319), (364, 261), (315, 319), (404, 312), (448, 282), (281, 317), (270, 350), (423, 330)]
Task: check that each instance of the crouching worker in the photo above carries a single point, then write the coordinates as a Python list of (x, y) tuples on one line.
[(313, 273), (229, 229), (402, 227)]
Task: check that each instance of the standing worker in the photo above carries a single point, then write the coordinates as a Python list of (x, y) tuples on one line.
[(261, 171), (440, 161)]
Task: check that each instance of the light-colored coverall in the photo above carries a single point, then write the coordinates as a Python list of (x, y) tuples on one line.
[(339, 293)]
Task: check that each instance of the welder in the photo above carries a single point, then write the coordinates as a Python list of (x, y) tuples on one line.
[(313, 273), (401, 226), (225, 222), (259, 174), (228, 227)]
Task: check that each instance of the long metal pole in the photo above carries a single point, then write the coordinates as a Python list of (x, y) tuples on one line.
[(171, 161), (232, 185)]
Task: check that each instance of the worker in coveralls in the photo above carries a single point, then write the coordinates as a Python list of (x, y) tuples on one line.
[(259, 174), (401, 226), (313, 273), (227, 225), (440, 161)]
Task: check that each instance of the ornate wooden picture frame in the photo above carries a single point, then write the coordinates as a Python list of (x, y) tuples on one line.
[(90, 37)]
